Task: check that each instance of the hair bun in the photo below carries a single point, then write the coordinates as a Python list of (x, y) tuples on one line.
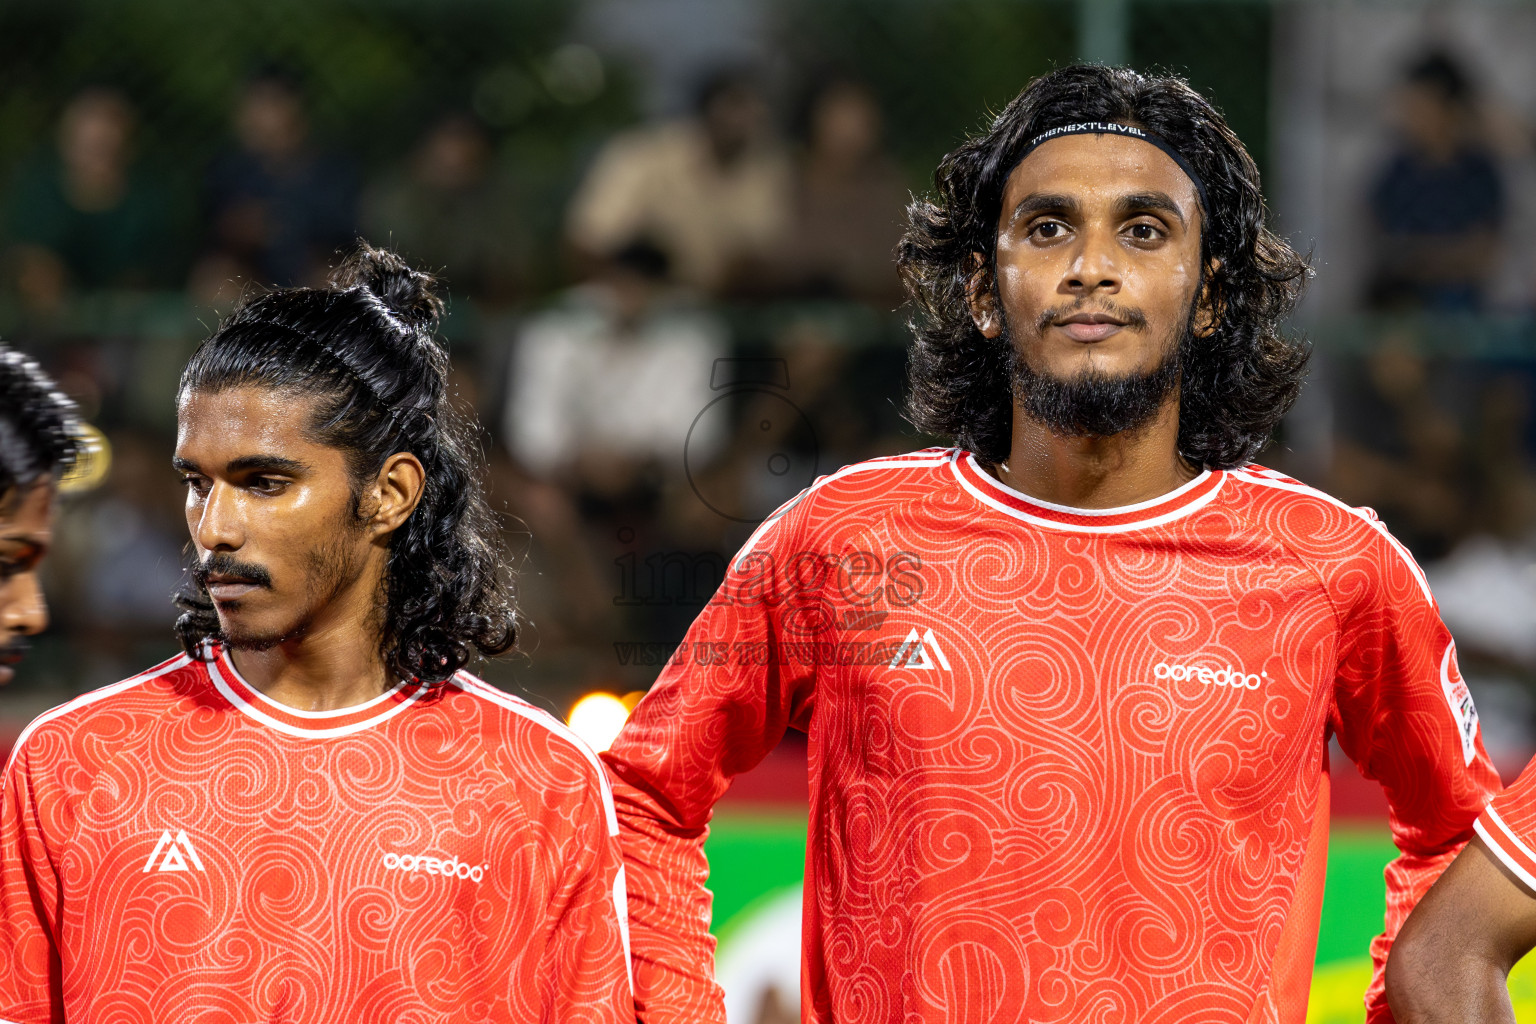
[(409, 294)]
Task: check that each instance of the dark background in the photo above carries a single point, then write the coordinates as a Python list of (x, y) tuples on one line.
[(1418, 405)]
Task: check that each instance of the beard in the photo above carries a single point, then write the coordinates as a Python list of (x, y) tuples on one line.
[(1093, 403), (328, 569)]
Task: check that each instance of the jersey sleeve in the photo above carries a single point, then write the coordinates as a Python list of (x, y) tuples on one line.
[(585, 970), (722, 703), (1508, 826), (1404, 715), (31, 980)]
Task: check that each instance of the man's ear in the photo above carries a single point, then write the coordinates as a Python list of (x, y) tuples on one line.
[(1208, 308), (981, 296), (397, 491)]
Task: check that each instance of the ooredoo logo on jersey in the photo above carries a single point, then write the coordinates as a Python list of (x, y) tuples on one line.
[(1232, 676), (450, 868)]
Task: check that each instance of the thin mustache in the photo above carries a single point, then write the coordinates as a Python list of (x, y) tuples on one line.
[(224, 565), (1134, 318), (14, 651)]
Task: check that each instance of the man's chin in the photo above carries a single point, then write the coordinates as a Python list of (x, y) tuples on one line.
[(247, 636), (246, 642), (1093, 402)]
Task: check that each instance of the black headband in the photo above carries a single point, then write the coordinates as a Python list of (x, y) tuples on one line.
[(1115, 128)]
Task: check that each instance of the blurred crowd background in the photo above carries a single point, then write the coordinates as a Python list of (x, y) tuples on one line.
[(666, 228)]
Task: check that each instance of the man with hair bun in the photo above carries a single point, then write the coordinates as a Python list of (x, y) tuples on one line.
[(1069, 683), (40, 439), (315, 814)]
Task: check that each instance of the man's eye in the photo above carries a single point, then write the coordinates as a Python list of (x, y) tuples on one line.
[(1146, 232), (1049, 230), (195, 483), (268, 485)]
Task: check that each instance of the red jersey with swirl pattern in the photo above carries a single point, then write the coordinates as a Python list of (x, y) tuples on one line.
[(179, 847), (1066, 765)]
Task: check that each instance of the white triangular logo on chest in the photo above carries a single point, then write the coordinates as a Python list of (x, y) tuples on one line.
[(914, 652), (173, 854)]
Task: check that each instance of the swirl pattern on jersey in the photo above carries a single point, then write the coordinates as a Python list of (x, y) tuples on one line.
[(177, 847), (1070, 771)]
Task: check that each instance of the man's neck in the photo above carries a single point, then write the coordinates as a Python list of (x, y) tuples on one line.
[(317, 673), (335, 663), (1096, 472)]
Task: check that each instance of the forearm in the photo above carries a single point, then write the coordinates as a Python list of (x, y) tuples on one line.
[(1408, 878), (1451, 961), (1449, 986)]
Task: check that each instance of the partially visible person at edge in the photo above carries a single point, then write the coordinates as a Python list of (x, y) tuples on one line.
[(1451, 963), (39, 440), (315, 814), (1069, 683)]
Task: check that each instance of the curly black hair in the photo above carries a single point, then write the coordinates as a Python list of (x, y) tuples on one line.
[(40, 431), (365, 349), (1235, 384)]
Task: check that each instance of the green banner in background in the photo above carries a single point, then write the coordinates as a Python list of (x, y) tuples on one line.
[(756, 864)]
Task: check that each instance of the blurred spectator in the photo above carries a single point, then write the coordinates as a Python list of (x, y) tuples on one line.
[(1402, 450), (1486, 586), (713, 192), (849, 203), (1506, 499), (1486, 590), (444, 208), (1438, 204), (605, 389), (277, 207), (613, 378), (89, 216)]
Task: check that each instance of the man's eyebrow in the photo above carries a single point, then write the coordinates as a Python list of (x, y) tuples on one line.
[(1142, 202), (247, 463), (1045, 202), (267, 463)]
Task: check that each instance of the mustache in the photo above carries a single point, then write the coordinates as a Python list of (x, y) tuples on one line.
[(1133, 318), (224, 564), (14, 650)]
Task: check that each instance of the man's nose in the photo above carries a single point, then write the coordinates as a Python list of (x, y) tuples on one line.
[(1095, 266), (219, 525), (22, 607)]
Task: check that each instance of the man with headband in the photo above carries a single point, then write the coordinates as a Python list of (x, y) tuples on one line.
[(1069, 684), (40, 437)]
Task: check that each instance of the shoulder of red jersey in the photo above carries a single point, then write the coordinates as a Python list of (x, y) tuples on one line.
[(145, 696), (516, 718), (870, 487), (1318, 525)]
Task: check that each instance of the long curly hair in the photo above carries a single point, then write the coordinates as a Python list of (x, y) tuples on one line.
[(365, 349), (40, 430), (1235, 384)]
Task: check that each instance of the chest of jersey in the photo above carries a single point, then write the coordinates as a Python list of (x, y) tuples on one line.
[(1097, 668), (297, 878)]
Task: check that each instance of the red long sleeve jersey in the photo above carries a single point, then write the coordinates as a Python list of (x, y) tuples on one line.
[(177, 847), (1066, 765)]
